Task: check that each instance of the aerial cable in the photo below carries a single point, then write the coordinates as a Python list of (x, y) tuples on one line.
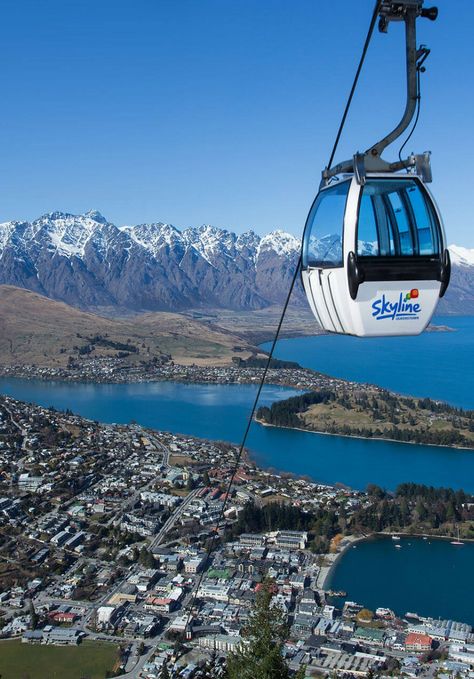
[(220, 520), (356, 79)]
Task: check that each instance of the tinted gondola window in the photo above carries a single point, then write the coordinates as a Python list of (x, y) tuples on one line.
[(396, 218), (322, 244)]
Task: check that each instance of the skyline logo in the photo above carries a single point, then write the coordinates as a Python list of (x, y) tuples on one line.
[(404, 308)]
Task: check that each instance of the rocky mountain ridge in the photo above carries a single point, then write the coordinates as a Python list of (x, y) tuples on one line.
[(88, 262)]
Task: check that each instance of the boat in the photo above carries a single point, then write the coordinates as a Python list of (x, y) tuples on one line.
[(458, 541), (398, 546), (395, 537)]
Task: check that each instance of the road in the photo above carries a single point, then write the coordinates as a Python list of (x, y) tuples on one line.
[(91, 607), (168, 525), (157, 443)]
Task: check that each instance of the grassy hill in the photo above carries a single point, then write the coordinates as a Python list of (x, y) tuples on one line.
[(35, 330)]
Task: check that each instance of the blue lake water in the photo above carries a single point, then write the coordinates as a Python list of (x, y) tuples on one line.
[(221, 411), (435, 364), (389, 577), (432, 579)]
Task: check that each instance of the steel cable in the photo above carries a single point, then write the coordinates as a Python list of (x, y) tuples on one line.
[(220, 521), (356, 79)]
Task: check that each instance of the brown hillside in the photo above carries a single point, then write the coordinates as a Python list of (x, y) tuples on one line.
[(38, 331)]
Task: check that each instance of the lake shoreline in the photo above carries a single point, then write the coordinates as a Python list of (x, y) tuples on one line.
[(184, 408), (396, 364), (239, 380), (363, 438), (326, 571)]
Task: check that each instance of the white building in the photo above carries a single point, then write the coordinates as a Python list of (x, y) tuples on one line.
[(211, 591), (220, 642), (194, 564), (104, 614)]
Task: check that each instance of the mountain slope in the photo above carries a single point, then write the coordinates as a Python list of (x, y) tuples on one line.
[(459, 298), (37, 330), (88, 262)]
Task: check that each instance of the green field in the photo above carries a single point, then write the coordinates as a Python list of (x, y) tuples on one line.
[(89, 660)]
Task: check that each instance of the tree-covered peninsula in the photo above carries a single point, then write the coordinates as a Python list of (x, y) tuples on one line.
[(371, 412)]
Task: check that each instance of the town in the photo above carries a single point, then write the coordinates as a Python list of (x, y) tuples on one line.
[(111, 370), (131, 537)]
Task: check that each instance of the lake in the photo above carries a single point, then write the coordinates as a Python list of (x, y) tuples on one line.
[(221, 411), (434, 364), (390, 577)]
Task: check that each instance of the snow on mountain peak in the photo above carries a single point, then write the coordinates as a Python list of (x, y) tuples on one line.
[(7, 230), (66, 234), (210, 241), (248, 240), (96, 216), (461, 256), (154, 236), (281, 242)]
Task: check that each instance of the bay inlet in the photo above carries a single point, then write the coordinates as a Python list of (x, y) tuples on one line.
[(429, 576)]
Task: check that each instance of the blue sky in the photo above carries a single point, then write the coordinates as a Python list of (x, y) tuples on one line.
[(216, 111)]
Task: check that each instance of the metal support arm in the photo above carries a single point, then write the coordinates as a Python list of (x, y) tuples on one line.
[(371, 161), (412, 56)]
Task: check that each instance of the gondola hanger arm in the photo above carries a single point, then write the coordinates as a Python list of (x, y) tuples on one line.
[(371, 161)]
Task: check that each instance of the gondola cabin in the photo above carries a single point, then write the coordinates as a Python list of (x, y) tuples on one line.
[(374, 258)]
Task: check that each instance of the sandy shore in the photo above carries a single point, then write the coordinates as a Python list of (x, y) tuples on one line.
[(331, 559)]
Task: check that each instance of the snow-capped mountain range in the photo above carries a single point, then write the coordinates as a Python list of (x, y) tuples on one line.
[(88, 262)]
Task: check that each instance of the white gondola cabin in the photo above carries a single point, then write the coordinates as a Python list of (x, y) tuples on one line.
[(374, 258)]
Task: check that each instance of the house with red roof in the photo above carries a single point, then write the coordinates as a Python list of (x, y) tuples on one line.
[(418, 642)]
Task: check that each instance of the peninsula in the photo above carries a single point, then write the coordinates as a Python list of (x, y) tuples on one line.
[(371, 412)]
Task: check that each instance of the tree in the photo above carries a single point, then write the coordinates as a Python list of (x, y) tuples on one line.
[(33, 615), (365, 615), (165, 673), (260, 654), (146, 558), (178, 647), (374, 491)]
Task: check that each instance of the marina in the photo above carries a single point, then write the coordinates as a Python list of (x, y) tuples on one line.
[(429, 576)]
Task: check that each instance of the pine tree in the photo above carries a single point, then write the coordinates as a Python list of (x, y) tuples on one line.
[(33, 615), (165, 673), (260, 654)]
